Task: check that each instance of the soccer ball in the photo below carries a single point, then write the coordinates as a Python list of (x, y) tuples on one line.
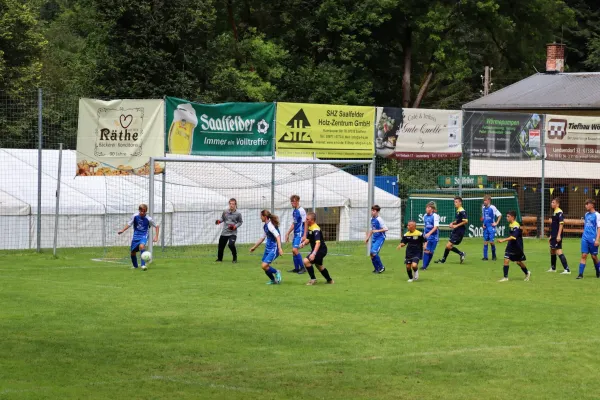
[(146, 256)]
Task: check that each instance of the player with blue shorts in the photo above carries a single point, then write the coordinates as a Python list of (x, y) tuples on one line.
[(490, 216), (141, 226), (273, 246), (590, 238), (431, 222), (377, 233), (299, 228)]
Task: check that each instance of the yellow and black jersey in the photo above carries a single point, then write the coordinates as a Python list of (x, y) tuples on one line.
[(558, 219), (515, 246), (461, 215), (414, 243), (315, 236)]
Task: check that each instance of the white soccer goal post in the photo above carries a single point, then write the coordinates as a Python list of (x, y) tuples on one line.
[(193, 191)]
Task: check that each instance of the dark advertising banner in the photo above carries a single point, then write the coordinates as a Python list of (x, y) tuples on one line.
[(503, 135)]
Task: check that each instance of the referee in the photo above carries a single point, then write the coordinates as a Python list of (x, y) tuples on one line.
[(231, 220)]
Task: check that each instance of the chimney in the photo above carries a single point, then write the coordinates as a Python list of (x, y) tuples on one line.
[(555, 58)]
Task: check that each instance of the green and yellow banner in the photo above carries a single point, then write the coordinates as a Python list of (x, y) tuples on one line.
[(330, 131)]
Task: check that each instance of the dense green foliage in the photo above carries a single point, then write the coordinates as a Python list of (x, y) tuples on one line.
[(73, 328)]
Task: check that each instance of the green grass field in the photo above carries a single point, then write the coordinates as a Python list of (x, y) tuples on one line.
[(72, 328)]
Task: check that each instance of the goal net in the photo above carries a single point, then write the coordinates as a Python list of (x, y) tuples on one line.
[(189, 194)]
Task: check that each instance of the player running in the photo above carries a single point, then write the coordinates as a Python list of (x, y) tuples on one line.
[(431, 221), (319, 250), (272, 248), (377, 232), (458, 232)]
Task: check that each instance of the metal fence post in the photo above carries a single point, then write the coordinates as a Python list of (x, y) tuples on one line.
[(460, 167), (57, 207), (151, 204), (370, 198), (314, 185), (542, 208), (39, 194)]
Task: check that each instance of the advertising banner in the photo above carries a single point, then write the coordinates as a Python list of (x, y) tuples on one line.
[(117, 137), (504, 200), (503, 135), (413, 133), (572, 138), (229, 129), (330, 131)]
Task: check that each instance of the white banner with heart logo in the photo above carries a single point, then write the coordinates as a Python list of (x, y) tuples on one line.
[(117, 137)]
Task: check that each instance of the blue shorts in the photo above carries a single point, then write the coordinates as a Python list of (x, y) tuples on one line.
[(296, 242), (489, 234), (431, 245), (588, 247), (135, 243), (376, 245), (270, 255)]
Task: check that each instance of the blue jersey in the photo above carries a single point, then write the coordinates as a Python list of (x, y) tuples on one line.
[(299, 217), (271, 234), (141, 225), (431, 221), (591, 224), (377, 223), (489, 215)]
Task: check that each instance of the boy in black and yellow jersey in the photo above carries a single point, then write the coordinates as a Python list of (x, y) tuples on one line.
[(459, 227), (415, 241), (556, 229), (319, 250), (514, 249)]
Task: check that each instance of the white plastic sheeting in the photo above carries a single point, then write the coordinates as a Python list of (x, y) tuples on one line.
[(93, 208)]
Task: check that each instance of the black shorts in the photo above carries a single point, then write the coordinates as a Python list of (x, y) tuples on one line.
[(554, 245), (456, 238), (319, 257), (515, 257), (412, 260)]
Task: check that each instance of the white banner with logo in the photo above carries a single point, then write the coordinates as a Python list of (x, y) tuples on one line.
[(117, 137), (572, 138), (413, 133)]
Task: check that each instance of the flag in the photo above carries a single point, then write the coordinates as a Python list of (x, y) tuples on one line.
[(551, 190)]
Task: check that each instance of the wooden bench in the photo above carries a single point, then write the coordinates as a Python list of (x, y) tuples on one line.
[(571, 225)]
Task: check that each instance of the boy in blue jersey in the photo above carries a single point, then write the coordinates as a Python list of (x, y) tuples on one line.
[(491, 218), (272, 248), (431, 222), (299, 228), (415, 241), (141, 226), (458, 227), (555, 240), (514, 249), (318, 250), (377, 232), (590, 238)]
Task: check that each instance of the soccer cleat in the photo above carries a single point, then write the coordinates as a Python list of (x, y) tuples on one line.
[(462, 257), (311, 282), (301, 271), (409, 281), (294, 271), (551, 270), (416, 275), (440, 261), (278, 277), (494, 258), (144, 268), (271, 283), (423, 269), (505, 279), (579, 276), (375, 271), (331, 282), (566, 272), (134, 267), (217, 260), (527, 276), (484, 259), (597, 273), (381, 271), (234, 262)]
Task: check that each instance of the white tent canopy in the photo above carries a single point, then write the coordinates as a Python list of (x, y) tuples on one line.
[(93, 208)]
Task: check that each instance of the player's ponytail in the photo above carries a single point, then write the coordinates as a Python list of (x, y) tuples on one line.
[(272, 217)]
